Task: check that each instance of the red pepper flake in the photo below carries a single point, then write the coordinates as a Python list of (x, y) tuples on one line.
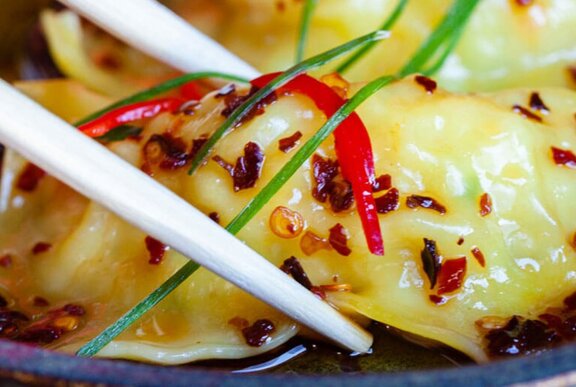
[(460, 241), (572, 73), (485, 204), (437, 299), (382, 183), (247, 169), (536, 103), (323, 171), (6, 261), (286, 223), (353, 149), (526, 113), (233, 101), (390, 201), (414, 201), (570, 302), (311, 243), (74, 310), (524, 3), (477, 253), (339, 240), (431, 261), (319, 292), (328, 186), (451, 275), (564, 157), (41, 247), (40, 302), (288, 143), (197, 144), (214, 216), (156, 249), (167, 152), (292, 267), (30, 177), (258, 333), (428, 84)]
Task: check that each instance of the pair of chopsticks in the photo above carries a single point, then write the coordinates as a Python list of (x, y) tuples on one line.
[(97, 173)]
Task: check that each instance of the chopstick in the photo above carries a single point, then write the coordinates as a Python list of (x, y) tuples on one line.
[(157, 31), (99, 174)]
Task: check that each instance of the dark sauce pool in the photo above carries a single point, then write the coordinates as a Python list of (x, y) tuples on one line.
[(390, 353)]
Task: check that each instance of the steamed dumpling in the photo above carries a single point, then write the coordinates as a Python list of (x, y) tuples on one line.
[(486, 166)]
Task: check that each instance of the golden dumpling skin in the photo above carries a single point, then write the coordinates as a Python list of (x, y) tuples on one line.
[(452, 148), (506, 44)]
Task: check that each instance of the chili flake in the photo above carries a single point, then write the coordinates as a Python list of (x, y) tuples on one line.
[(288, 143), (247, 169), (431, 261), (311, 243), (526, 113), (414, 201), (485, 204), (156, 249), (428, 84), (339, 240), (258, 333), (6, 261), (477, 253), (286, 223), (292, 267), (41, 247), (536, 103), (564, 157), (390, 201), (30, 177)]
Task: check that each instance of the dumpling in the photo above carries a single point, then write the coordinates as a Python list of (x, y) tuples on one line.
[(507, 43), (477, 223)]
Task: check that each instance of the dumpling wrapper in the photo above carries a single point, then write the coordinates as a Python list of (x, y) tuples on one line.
[(453, 148)]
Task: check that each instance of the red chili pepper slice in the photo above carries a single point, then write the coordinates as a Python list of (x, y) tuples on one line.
[(129, 113), (353, 149), (191, 90)]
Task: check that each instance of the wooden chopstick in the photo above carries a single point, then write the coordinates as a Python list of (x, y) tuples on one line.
[(157, 31), (99, 174)]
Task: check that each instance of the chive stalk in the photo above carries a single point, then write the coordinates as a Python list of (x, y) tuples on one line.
[(388, 24), (454, 21), (307, 11), (159, 89), (238, 114)]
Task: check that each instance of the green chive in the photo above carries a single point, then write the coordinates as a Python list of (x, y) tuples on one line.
[(387, 26), (110, 333), (307, 12), (159, 89), (120, 133), (304, 153), (238, 114), (456, 17), (450, 46), (454, 21)]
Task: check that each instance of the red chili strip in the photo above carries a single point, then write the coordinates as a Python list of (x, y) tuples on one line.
[(353, 149), (129, 113)]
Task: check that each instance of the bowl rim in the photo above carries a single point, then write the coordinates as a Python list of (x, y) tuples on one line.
[(20, 360)]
